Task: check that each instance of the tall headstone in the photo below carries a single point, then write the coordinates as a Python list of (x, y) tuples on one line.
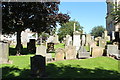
[(76, 40), (24, 38), (38, 65), (83, 39), (113, 35), (4, 52), (31, 46)]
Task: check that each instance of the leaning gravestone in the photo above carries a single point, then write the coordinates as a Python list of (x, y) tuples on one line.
[(97, 51), (59, 54), (70, 52), (38, 65), (4, 52), (113, 50), (82, 53), (31, 46)]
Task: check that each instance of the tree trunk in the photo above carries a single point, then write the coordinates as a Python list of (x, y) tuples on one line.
[(19, 45)]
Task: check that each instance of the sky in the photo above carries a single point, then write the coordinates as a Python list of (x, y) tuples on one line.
[(88, 14)]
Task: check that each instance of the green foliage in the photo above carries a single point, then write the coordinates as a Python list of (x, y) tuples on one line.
[(68, 28), (97, 31), (109, 42)]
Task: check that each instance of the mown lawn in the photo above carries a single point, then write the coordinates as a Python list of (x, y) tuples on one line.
[(100, 67)]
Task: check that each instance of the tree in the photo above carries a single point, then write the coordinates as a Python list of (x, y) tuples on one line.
[(68, 28), (97, 31), (38, 16)]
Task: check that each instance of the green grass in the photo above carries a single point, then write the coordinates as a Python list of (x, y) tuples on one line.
[(100, 67), (61, 45)]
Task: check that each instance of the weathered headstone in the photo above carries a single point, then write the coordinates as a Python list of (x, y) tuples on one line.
[(76, 40), (102, 43), (70, 52), (113, 50), (82, 53), (50, 47), (38, 65), (31, 46), (97, 51), (41, 50), (59, 54), (4, 52)]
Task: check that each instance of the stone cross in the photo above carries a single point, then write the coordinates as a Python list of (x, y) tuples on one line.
[(74, 27)]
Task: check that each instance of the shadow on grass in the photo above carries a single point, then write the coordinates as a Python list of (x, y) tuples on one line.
[(12, 51), (64, 71)]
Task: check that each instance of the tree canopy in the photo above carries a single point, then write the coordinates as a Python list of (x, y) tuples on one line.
[(37, 16), (68, 28), (97, 31)]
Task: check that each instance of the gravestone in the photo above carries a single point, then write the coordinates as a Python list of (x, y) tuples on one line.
[(97, 51), (83, 40), (113, 50), (91, 45), (4, 52), (24, 38), (50, 47), (31, 46), (113, 35), (56, 39), (88, 39), (76, 40), (41, 50), (70, 52), (59, 54), (102, 43), (68, 40), (82, 53), (38, 65), (50, 39)]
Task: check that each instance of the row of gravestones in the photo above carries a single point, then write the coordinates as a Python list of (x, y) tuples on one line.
[(69, 52)]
